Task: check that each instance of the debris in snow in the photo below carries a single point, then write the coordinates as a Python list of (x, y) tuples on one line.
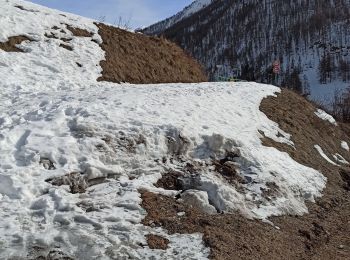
[(11, 45), (157, 242), (47, 164), (321, 152), (345, 146), (74, 180), (67, 47), (324, 116)]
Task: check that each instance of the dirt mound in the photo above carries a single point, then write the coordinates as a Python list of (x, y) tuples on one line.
[(78, 32), (10, 45), (321, 234), (140, 59), (157, 242), (296, 116), (228, 236)]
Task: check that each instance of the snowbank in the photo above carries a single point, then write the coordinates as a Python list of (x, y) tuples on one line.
[(108, 140)]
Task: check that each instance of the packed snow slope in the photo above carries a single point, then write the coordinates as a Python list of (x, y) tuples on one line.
[(76, 152)]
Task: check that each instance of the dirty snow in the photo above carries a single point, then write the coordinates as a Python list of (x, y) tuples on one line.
[(340, 158), (56, 119), (321, 152), (324, 116), (345, 146)]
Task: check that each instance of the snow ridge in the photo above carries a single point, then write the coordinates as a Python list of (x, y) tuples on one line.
[(161, 26)]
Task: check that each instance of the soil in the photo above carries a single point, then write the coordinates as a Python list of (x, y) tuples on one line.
[(24, 9), (157, 242), (79, 32), (321, 234), (136, 58), (10, 45), (170, 181), (67, 47)]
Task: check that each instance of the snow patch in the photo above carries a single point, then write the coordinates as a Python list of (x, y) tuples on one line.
[(321, 152), (345, 146), (326, 117)]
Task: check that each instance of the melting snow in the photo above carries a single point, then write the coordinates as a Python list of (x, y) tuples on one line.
[(55, 119), (321, 152), (324, 116), (345, 146), (340, 158)]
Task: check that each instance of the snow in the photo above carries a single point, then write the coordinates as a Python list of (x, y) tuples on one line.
[(340, 158), (326, 117), (198, 199), (345, 146), (321, 93), (194, 7), (54, 111), (321, 152)]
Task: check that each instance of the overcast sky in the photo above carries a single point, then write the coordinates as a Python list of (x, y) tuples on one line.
[(139, 12)]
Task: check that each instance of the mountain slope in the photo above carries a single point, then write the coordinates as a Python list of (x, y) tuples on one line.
[(311, 39), (196, 6), (92, 169)]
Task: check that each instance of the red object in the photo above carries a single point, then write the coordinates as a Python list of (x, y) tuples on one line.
[(276, 67)]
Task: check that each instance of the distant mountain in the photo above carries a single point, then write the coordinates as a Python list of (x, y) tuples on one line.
[(186, 12), (310, 39)]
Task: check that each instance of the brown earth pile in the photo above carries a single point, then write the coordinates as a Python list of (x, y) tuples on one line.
[(321, 234), (140, 59), (78, 32), (157, 242), (10, 45)]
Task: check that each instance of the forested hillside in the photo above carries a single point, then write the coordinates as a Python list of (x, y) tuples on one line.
[(310, 38)]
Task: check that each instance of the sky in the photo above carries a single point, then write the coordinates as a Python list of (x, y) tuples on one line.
[(137, 13)]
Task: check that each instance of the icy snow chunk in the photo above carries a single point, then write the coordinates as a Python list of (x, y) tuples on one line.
[(321, 152), (40, 204), (7, 187), (198, 199), (324, 116), (345, 146), (340, 158)]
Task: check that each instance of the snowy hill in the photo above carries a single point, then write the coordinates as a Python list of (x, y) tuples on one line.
[(243, 39), (193, 8), (81, 156)]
